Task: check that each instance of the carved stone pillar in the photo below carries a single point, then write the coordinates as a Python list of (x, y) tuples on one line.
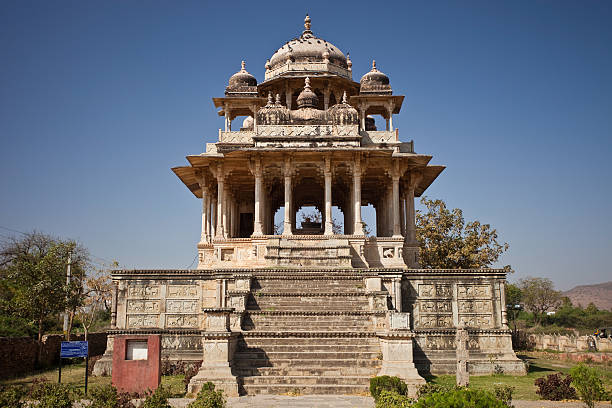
[(328, 198), (224, 209), (213, 216), (358, 228), (220, 202), (410, 236), (402, 208), (258, 227), (397, 232), (288, 199), (205, 215)]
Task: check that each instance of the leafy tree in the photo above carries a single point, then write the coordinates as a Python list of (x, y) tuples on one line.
[(514, 296), (539, 296), (97, 296), (33, 269), (447, 242), (588, 383)]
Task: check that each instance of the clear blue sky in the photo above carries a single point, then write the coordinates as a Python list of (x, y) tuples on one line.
[(99, 99)]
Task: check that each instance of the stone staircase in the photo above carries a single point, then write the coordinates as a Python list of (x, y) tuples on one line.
[(308, 334)]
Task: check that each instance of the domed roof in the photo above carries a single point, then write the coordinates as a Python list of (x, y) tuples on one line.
[(307, 48), (375, 82), (241, 82), (307, 98)]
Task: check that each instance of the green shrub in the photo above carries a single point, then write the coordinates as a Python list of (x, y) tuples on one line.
[(460, 398), (391, 399), (106, 396), (157, 399), (503, 393), (208, 397), (51, 395), (385, 382), (431, 388), (555, 387), (11, 397), (588, 383)]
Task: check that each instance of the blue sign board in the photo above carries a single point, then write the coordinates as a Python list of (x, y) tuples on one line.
[(73, 349)]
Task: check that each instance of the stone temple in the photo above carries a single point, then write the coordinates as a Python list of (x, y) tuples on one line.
[(311, 306)]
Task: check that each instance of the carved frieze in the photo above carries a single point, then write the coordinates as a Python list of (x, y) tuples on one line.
[(482, 322), (182, 291), (475, 306), (435, 306), (474, 291), (431, 290), (181, 306), (433, 321), (142, 306), (440, 343), (143, 291), (143, 321), (173, 321)]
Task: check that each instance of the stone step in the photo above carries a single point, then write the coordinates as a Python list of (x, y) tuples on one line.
[(252, 389), (298, 341), (307, 371), (307, 380), (298, 363), (305, 355), (374, 348)]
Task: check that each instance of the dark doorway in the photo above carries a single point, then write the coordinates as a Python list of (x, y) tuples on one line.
[(246, 225)]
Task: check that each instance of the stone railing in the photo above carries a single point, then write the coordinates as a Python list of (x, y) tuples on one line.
[(241, 136), (380, 136)]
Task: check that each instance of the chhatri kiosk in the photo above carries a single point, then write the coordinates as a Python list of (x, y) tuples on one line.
[(312, 306)]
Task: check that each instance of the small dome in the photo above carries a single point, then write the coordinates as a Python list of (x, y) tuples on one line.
[(343, 113), (307, 98), (247, 123), (375, 82), (241, 82), (307, 48)]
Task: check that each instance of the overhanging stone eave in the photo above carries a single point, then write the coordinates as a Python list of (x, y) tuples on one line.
[(187, 175), (303, 74), (430, 173)]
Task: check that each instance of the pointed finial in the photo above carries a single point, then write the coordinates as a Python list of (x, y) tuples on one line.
[(269, 98), (373, 65), (344, 97), (278, 102), (242, 64), (349, 63), (307, 86), (307, 22)]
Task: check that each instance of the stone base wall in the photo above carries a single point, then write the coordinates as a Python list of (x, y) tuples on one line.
[(566, 343), (19, 354)]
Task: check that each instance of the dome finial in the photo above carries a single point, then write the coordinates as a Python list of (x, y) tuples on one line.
[(344, 97), (373, 65), (307, 22), (269, 98), (242, 66), (278, 101), (307, 83)]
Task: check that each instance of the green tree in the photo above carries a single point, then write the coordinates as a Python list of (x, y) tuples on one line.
[(539, 296), (447, 242), (514, 297), (34, 272), (588, 383)]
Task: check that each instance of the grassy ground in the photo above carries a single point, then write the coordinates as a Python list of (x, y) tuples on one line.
[(541, 365), (74, 374)]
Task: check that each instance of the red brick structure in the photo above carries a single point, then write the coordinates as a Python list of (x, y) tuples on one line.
[(132, 372)]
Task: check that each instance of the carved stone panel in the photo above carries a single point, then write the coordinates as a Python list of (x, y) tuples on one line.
[(143, 291), (175, 321), (474, 291), (181, 306), (475, 306), (479, 321), (433, 321), (435, 306), (182, 291), (142, 306), (143, 321)]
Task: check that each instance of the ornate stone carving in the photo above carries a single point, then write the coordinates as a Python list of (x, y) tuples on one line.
[(475, 306), (181, 306), (475, 321), (190, 321), (182, 291), (143, 291), (474, 291), (433, 321), (143, 306), (435, 306), (143, 321)]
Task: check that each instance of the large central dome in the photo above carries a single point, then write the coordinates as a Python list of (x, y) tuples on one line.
[(308, 53)]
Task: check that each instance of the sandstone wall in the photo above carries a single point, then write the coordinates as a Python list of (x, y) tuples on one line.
[(19, 353), (567, 343)]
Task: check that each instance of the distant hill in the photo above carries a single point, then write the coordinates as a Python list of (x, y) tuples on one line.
[(600, 295)]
